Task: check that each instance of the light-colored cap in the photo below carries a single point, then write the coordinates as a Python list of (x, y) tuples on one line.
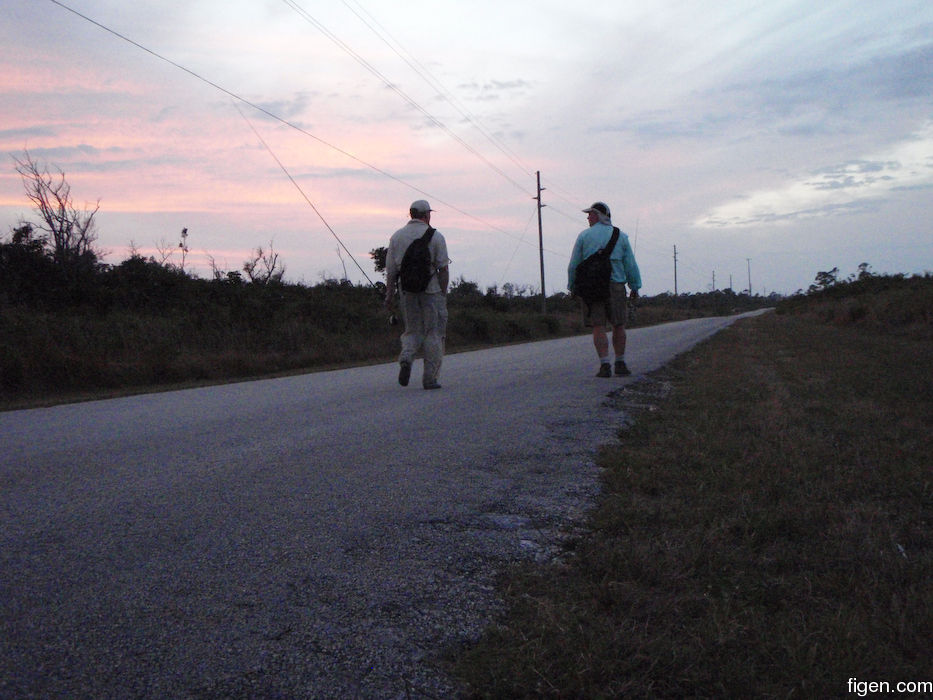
[(420, 206)]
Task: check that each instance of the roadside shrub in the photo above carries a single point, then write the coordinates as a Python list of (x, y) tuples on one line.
[(893, 304), (141, 323)]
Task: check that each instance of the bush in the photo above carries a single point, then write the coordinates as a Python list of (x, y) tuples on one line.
[(893, 303), (142, 323)]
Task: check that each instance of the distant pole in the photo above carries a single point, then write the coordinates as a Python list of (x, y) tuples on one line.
[(714, 280), (541, 246), (675, 271), (748, 261)]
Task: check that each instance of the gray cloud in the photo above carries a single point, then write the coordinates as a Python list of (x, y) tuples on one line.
[(920, 187), (662, 126), (26, 133), (495, 89), (70, 153), (289, 108), (805, 103), (854, 174), (772, 217), (843, 93)]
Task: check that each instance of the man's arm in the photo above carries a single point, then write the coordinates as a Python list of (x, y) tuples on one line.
[(575, 258), (390, 294), (632, 273), (439, 257), (443, 278), (391, 279)]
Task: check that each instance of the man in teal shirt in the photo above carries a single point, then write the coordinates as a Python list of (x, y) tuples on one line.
[(624, 271)]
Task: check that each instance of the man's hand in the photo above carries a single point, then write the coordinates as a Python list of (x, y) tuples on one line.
[(633, 295)]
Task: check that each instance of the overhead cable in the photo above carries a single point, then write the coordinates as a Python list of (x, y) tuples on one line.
[(397, 90), (282, 120), (306, 198), (383, 34)]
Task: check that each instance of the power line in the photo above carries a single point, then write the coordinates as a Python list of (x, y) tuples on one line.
[(396, 89), (281, 120), (423, 72), (307, 199), (521, 240), (235, 96), (386, 37)]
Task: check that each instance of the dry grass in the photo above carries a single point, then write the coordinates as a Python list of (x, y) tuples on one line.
[(766, 534)]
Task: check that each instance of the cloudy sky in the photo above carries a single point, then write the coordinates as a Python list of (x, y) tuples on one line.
[(765, 140)]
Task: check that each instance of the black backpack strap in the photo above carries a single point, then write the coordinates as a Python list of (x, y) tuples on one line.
[(427, 236), (607, 251)]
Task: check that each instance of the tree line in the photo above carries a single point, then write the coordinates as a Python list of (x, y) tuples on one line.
[(71, 323)]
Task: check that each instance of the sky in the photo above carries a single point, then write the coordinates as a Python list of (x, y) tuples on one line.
[(764, 141)]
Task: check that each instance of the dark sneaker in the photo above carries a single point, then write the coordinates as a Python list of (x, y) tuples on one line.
[(605, 370), (621, 369), (404, 373), (432, 385)]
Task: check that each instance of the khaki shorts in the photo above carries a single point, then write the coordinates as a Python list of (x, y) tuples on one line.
[(611, 313)]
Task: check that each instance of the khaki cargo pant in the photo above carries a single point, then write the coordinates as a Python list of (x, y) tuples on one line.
[(425, 318)]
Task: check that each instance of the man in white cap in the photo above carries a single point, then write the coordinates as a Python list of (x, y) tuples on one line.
[(424, 313), (624, 271)]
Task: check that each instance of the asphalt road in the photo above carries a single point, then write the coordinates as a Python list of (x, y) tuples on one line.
[(317, 536)]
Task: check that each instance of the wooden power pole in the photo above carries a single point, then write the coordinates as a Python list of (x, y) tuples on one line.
[(675, 271), (541, 246)]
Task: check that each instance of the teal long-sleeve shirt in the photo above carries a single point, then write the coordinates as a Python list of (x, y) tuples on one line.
[(624, 267)]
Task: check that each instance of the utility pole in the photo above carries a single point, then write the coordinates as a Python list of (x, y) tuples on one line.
[(541, 246), (675, 271), (714, 280), (748, 261)]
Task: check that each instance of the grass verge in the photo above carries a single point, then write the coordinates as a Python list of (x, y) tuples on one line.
[(766, 534)]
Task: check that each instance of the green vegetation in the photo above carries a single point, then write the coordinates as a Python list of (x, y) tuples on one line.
[(140, 325), (68, 331), (73, 327), (766, 534)]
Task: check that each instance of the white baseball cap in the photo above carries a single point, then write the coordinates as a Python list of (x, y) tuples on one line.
[(420, 206)]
